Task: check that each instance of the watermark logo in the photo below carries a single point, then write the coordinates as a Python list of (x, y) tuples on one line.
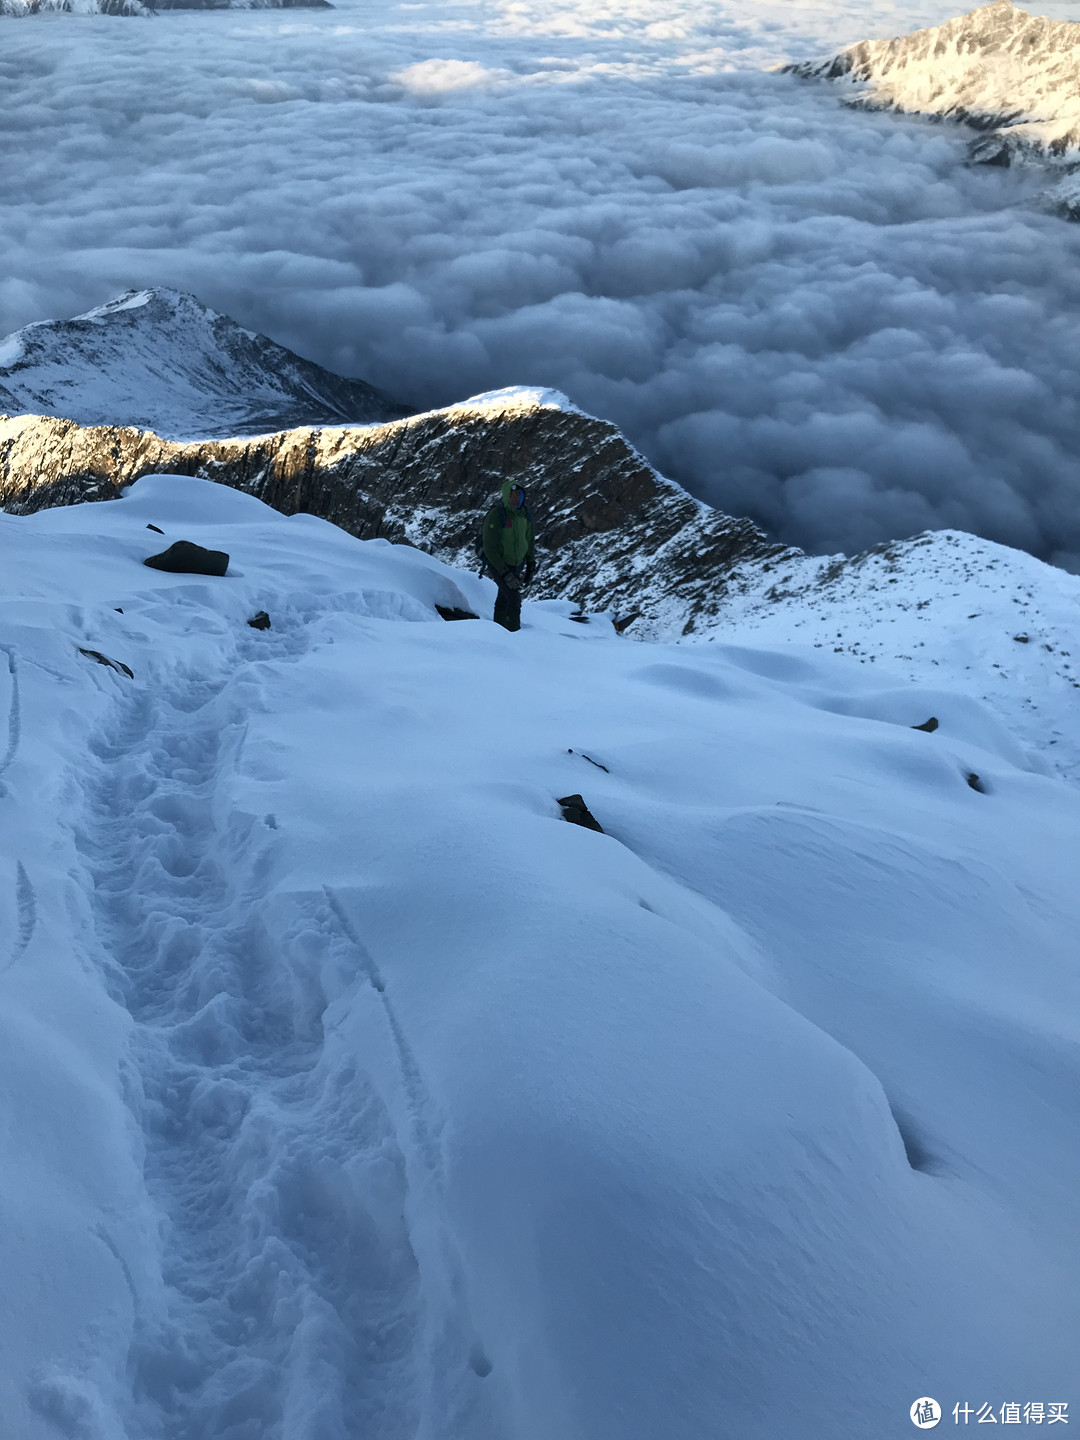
[(925, 1413)]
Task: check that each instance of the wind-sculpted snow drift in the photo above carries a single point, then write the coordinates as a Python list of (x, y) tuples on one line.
[(1014, 76), (349, 1091)]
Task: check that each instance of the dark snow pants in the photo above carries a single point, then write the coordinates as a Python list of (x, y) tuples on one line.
[(507, 606)]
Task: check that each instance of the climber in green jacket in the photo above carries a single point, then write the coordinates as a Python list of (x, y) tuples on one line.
[(509, 547)]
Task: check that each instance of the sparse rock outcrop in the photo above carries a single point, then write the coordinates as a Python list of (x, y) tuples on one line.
[(615, 535), (1013, 76)]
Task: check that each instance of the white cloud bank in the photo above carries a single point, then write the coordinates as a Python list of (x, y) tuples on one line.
[(817, 317)]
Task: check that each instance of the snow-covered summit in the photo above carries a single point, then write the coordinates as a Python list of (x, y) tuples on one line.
[(160, 359), (1014, 76)]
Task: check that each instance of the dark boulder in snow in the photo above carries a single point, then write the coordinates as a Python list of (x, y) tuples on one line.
[(117, 665), (186, 558), (260, 621), (928, 725), (577, 812)]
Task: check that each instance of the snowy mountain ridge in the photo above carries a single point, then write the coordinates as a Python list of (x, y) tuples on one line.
[(616, 536), (1013, 76), (161, 359)]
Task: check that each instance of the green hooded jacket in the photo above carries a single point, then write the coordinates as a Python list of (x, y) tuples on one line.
[(509, 546)]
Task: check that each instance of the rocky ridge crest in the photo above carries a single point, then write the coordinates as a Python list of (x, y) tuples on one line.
[(616, 535)]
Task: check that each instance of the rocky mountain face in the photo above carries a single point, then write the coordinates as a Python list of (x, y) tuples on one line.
[(616, 535), (1015, 77), (161, 360)]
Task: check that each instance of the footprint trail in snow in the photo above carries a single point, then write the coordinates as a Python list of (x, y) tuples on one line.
[(289, 1293)]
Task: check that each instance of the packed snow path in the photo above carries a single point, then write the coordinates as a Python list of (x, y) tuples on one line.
[(291, 1294), (253, 1142), (352, 1092)]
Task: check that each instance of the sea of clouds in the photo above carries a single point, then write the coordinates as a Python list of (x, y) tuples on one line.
[(815, 316)]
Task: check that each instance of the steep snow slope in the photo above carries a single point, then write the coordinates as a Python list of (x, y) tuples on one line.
[(1011, 74), (942, 609), (161, 359), (352, 1092)]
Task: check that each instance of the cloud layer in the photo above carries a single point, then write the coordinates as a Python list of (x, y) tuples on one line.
[(815, 316)]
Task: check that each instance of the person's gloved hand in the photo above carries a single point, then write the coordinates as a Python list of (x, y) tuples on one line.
[(511, 581)]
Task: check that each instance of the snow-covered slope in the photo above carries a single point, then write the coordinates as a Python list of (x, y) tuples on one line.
[(1013, 75), (349, 1091), (944, 608), (161, 359)]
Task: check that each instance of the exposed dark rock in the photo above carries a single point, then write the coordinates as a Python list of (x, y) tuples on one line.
[(928, 725), (186, 558), (614, 534), (627, 620), (260, 621), (454, 612), (590, 760), (1022, 639), (117, 665), (975, 783), (577, 812)]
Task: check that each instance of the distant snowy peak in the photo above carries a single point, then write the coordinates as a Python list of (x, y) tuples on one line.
[(1012, 75), (160, 360), (150, 7)]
